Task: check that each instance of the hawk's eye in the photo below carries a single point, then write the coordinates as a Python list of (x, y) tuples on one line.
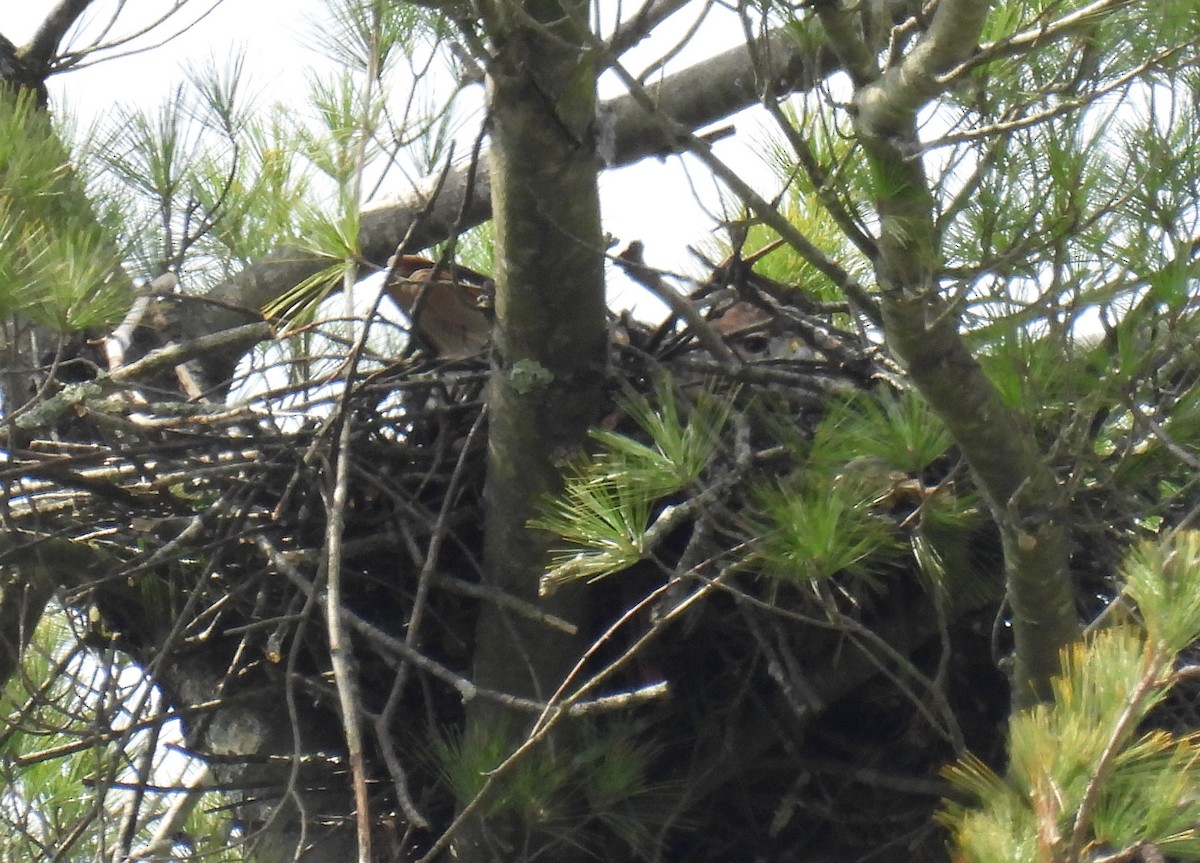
[(757, 343)]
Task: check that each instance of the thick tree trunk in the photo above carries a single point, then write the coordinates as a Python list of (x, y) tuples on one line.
[(550, 336)]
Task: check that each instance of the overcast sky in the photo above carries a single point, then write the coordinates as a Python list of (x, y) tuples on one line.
[(274, 31)]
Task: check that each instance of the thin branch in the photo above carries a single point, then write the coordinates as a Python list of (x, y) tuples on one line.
[(1131, 714), (763, 209), (561, 705), (121, 338), (172, 821), (340, 651), (643, 22), (1004, 128), (413, 634), (230, 341), (1082, 19), (79, 59), (632, 262)]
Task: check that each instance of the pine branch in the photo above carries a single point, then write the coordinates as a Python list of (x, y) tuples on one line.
[(41, 51)]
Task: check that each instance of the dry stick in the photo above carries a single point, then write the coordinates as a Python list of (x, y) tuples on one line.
[(172, 821), (461, 586), (339, 643), (340, 651), (553, 711), (447, 257), (555, 708), (105, 690), (861, 635), (464, 687), (121, 338), (1033, 37), (178, 353), (135, 799), (799, 695), (279, 561), (98, 738), (289, 696), (841, 215), (414, 315), (399, 775), (665, 523), (635, 267), (1157, 431), (507, 600), (383, 722), (1066, 106), (833, 205), (639, 25)]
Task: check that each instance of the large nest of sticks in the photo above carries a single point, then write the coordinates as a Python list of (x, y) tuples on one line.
[(782, 707)]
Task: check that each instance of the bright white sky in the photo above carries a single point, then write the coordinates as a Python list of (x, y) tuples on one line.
[(653, 201)]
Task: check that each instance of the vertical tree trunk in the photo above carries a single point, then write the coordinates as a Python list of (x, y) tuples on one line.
[(550, 331)]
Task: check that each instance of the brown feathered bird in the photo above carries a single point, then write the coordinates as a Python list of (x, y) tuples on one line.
[(447, 305)]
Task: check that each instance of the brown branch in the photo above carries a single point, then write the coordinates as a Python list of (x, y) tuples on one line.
[(42, 49), (341, 655), (643, 22), (763, 209), (383, 722), (634, 265), (225, 342)]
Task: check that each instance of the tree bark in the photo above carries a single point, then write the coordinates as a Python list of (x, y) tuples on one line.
[(548, 378), (1021, 490)]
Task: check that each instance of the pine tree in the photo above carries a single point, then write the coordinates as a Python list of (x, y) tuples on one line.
[(879, 545)]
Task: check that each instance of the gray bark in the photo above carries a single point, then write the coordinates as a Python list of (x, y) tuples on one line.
[(547, 385), (1021, 491)]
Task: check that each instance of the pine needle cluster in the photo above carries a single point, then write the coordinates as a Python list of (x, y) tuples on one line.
[(1089, 777)]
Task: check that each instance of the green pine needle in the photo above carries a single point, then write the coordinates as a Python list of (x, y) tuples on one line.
[(1083, 761), (814, 535), (1164, 580), (603, 512), (898, 429)]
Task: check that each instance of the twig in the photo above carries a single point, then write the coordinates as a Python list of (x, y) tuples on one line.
[(759, 206), (556, 709), (632, 261), (412, 636), (231, 340), (340, 653), (1126, 722), (172, 821)]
